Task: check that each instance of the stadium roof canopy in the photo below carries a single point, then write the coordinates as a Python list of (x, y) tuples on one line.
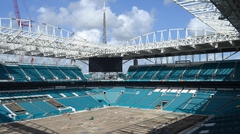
[(51, 41)]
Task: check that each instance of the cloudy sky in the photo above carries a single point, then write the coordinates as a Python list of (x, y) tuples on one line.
[(125, 18)]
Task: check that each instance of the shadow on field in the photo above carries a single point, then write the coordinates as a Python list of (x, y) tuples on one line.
[(26, 128)]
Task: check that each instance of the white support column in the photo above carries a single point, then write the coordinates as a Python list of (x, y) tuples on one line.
[(200, 58), (214, 56), (169, 35), (222, 55), (207, 57)]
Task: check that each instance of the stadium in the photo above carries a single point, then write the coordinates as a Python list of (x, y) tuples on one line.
[(181, 94)]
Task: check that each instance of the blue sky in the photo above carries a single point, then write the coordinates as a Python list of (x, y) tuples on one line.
[(163, 14), (125, 18)]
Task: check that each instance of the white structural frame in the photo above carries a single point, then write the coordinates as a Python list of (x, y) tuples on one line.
[(51, 41), (206, 11), (46, 39)]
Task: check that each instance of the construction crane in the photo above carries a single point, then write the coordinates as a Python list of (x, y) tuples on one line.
[(18, 16)]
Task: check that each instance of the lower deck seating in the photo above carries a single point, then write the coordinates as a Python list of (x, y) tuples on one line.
[(39, 104), (227, 124)]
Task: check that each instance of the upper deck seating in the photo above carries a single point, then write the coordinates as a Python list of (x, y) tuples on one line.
[(4, 74), (224, 71), (141, 70), (207, 72), (57, 72), (31, 72), (175, 74), (150, 73), (237, 72), (44, 72), (39, 73), (78, 72), (131, 71), (191, 72), (68, 72), (17, 73), (162, 73)]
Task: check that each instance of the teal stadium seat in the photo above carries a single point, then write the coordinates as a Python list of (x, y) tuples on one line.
[(207, 71), (78, 72), (31, 72), (175, 74), (44, 72), (17, 73), (56, 72), (191, 72), (4, 74), (68, 72), (150, 73), (237, 72), (131, 71), (137, 75), (162, 73)]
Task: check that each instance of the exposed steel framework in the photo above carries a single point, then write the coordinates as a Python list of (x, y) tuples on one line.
[(51, 41)]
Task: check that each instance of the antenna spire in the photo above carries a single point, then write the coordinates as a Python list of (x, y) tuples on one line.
[(104, 25)]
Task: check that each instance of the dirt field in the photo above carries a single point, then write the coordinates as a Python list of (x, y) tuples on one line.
[(107, 120)]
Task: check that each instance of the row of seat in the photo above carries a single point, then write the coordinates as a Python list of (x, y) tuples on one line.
[(45, 103), (36, 73), (214, 71), (227, 124), (178, 100), (55, 102)]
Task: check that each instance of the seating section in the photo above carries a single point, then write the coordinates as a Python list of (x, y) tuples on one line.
[(177, 102), (78, 72), (212, 71), (48, 75), (227, 124), (224, 71), (68, 72), (237, 72), (139, 73), (162, 73), (4, 74), (39, 73), (17, 73), (40, 104), (131, 71), (175, 74), (24, 105), (149, 101), (191, 72), (150, 73), (31, 72), (4, 115), (56, 72)]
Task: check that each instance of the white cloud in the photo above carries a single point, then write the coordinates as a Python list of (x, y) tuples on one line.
[(42, 10), (195, 23), (166, 2), (134, 23), (92, 35), (85, 17)]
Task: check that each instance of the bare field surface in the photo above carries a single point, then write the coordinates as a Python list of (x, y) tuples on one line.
[(112, 120)]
